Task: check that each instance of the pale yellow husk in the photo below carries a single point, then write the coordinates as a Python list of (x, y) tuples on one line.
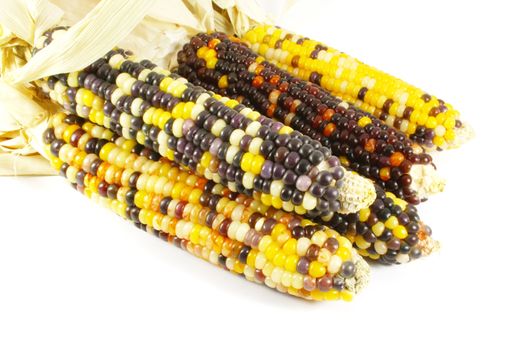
[(153, 29)]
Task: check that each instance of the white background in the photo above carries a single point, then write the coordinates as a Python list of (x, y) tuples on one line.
[(74, 276)]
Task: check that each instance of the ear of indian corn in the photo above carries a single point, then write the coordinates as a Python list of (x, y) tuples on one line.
[(214, 137), (426, 119), (363, 142), (388, 231), (202, 217)]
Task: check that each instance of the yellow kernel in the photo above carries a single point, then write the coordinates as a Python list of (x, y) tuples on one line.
[(344, 253), (210, 54), (391, 222), (316, 295), (238, 267), (246, 161), (202, 51), (378, 228), (211, 62), (346, 295), (194, 196), (87, 98), (279, 259), (56, 163), (266, 199), (276, 202), (250, 260), (165, 83), (390, 195), (449, 123), (400, 232), (256, 164), (271, 251), (422, 120), (364, 214), (438, 141), (177, 111), (223, 82), (290, 246), (188, 107), (431, 123), (156, 116), (364, 122), (331, 295), (69, 131), (163, 119), (411, 128), (179, 89), (361, 243), (105, 150), (316, 269), (291, 263), (231, 103), (285, 130), (400, 202), (450, 135)]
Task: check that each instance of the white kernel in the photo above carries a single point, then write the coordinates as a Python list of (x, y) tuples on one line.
[(276, 188), (277, 274), (230, 153), (202, 98), (303, 244), (253, 128), (255, 145), (404, 125), (116, 95), (143, 74), (116, 60), (217, 127), (177, 127), (440, 130), (247, 180), (241, 232), (334, 265), (260, 261), (236, 136), (196, 110), (122, 78), (402, 258)]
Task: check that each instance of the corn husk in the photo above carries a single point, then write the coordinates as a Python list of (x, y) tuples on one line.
[(153, 29)]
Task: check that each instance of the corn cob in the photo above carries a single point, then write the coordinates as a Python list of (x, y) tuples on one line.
[(426, 119), (234, 146), (364, 144), (389, 231), (278, 249)]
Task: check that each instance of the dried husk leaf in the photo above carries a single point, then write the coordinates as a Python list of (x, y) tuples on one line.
[(83, 43), (152, 29)]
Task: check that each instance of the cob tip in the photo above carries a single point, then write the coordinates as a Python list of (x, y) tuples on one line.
[(428, 245), (464, 133), (426, 181), (356, 193), (361, 277)]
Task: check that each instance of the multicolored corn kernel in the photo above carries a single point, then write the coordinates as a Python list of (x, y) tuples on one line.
[(427, 120), (205, 216), (214, 137), (363, 143)]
